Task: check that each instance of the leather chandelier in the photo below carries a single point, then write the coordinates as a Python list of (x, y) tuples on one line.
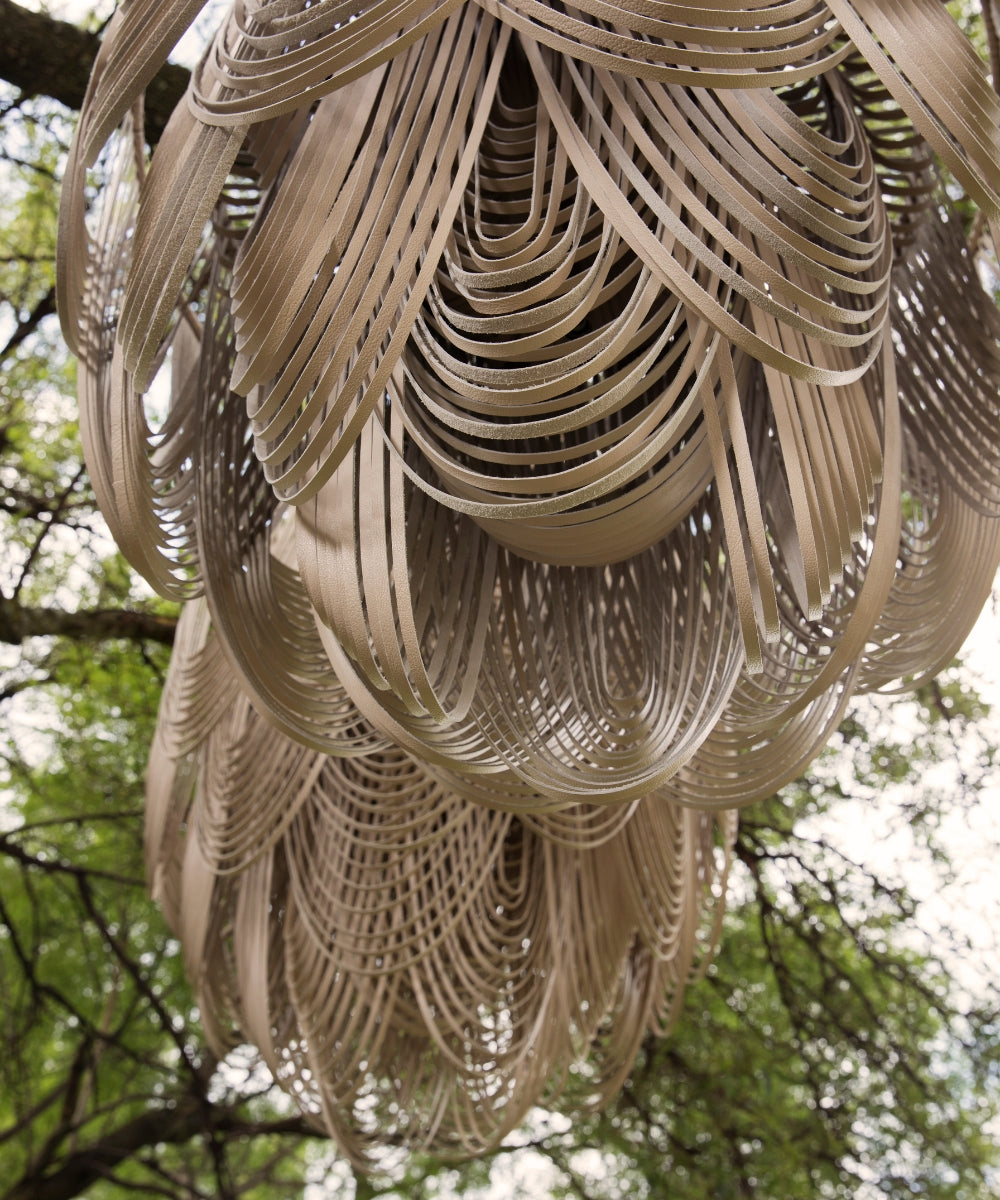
[(549, 415)]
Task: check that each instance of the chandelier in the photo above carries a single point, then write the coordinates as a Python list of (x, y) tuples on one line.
[(549, 415)]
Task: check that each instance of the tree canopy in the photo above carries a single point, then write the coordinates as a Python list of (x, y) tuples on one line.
[(840, 1044)]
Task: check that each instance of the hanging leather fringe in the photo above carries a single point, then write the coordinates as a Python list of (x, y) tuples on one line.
[(550, 416)]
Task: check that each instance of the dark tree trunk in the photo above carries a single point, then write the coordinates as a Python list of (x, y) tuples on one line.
[(45, 57), (18, 623), (94, 1162)]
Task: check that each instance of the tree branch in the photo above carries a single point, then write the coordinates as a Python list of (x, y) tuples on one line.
[(17, 623), (92, 1163), (62, 501), (58, 866), (189, 1118), (45, 307), (46, 57)]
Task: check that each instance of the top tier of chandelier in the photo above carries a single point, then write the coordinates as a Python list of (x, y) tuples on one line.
[(555, 407)]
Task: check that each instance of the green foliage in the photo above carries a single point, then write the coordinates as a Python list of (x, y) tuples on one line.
[(85, 961), (44, 491), (101, 1049), (28, 235), (106, 1086)]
